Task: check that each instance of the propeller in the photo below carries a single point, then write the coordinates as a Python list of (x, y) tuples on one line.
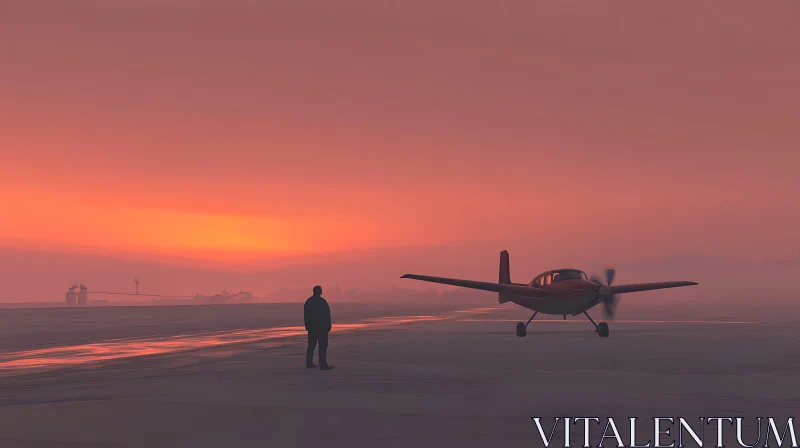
[(610, 300)]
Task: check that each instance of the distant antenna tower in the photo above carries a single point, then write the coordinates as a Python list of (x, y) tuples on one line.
[(136, 280)]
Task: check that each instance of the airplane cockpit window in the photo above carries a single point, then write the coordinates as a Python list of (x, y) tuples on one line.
[(558, 276), (571, 275)]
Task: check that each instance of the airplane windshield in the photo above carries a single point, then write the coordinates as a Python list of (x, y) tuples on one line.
[(570, 275)]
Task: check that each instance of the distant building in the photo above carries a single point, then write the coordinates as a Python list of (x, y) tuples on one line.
[(83, 296), (72, 296)]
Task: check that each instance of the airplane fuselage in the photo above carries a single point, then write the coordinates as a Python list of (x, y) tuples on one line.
[(567, 297)]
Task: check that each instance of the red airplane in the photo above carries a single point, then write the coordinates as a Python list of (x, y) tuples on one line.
[(559, 292)]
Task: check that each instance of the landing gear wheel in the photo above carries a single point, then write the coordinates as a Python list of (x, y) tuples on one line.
[(602, 329), (521, 332)]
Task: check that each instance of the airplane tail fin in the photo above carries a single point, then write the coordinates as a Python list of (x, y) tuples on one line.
[(505, 276), (505, 273)]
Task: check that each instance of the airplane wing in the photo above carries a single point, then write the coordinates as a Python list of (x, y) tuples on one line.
[(622, 289), (519, 290)]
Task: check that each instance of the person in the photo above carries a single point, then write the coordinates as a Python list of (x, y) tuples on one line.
[(317, 316)]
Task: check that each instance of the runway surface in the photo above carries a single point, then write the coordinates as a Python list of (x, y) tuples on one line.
[(404, 377), (37, 360)]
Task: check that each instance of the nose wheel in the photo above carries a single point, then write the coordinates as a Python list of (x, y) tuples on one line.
[(601, 328)]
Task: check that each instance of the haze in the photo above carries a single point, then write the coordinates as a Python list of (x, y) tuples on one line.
[(270, 144)]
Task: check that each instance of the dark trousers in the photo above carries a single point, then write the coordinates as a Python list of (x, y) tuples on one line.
[(313, 338)]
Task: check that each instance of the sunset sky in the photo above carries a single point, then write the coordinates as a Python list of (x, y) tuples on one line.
[(231, 134)]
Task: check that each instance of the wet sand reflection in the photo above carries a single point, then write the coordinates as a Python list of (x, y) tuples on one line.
[(25, 361)]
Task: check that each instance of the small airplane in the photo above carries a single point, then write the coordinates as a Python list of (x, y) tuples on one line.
[(559, 292)]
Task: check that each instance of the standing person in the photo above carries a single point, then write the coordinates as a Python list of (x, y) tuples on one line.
[(317, 315)]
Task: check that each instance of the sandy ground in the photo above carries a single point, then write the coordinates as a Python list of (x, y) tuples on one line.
[(457, 379)]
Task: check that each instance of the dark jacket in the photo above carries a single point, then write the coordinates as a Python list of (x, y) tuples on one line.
[(317, 315)]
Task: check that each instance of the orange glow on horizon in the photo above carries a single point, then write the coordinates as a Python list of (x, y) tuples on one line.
[(86, 222)]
